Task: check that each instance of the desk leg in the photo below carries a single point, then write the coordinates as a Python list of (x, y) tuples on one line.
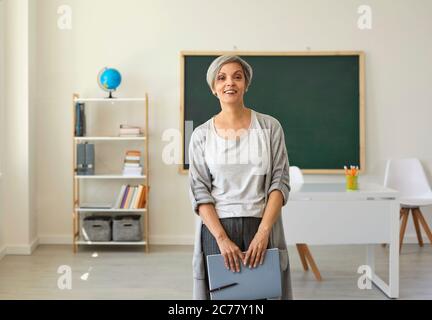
[(394, 252), (391, 289), (370, 257)]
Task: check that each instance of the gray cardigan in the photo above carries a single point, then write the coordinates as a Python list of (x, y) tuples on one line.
[(277, 178)]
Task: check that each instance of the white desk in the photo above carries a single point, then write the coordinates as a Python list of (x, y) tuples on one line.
[(325, 213)]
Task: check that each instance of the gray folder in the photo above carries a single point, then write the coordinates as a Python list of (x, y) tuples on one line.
[(90, 158), (261, 282), (80, 159), (85, 159)]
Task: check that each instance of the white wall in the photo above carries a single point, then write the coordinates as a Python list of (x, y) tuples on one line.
[(1, 81), (32, 111), (18, 211), (2, 226), (143, 39)]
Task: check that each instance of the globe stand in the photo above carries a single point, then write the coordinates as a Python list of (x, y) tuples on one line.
[(110, 96)]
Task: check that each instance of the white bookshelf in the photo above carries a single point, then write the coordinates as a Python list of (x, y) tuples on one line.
[(109, 176), (104, 243), (80, 212), (80, 139), (106, 100), (109, 210)]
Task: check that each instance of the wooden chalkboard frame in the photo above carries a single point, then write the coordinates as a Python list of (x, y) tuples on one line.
[(360, 54)]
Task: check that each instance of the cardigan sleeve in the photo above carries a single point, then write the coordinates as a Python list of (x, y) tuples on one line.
[(199, 174), (280, 165)]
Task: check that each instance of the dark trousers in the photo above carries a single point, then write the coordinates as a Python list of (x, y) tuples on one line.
[(240, 230)]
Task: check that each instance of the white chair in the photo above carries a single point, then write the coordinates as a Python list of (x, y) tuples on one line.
[(296, 177), (408, 177)]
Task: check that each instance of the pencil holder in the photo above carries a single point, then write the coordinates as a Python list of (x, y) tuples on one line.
[(351, 182)]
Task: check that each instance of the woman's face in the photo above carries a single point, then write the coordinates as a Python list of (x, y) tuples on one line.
[(230, 83)]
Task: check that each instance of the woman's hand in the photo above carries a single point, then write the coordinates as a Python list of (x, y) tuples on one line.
[(257, 249), (231, 253)]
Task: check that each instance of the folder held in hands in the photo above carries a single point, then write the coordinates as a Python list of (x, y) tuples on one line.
[(262, 282)]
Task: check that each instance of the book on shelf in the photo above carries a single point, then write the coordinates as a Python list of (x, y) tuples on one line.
[(124, 196), (80, 121), (118, 202), (96, 206), (132, 197), (129, 197), (133, 153), (129, 131), (138, 196), (130, 135), (133, 158), (132, 163), (135, 172), (144, 195), (126, 126)]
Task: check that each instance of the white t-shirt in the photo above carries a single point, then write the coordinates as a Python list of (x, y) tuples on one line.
[(238, 170)]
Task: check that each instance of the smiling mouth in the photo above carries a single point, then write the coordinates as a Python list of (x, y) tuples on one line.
[(230, 91)]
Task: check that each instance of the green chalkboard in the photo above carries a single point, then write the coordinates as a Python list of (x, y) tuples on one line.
[(317, 97)]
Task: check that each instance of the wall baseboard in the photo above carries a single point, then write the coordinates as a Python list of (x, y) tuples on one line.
[(3, 252), (34, 245), (157, 240), (23, 250), (162, 240)]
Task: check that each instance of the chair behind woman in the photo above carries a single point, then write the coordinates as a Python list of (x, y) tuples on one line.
[(296, 177), (408, 177)]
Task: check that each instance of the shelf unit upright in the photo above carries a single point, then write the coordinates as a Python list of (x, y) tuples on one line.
[(77, 179)]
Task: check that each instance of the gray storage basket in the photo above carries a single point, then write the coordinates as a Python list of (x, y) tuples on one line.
[(127, 228), (96, 228)]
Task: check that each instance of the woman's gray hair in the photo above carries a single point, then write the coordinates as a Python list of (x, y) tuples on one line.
[(217, 64)]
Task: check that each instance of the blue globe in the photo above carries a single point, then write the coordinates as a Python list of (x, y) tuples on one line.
[(109, 79)]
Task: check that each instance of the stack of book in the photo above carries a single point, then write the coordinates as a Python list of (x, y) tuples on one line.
[(132, 197), (129, 131), (132, 163)]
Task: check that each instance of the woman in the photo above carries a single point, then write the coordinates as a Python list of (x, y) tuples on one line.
[(239, 180)]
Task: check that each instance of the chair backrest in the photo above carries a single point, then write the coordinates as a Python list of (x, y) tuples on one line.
[(296, 176), (407, 176)]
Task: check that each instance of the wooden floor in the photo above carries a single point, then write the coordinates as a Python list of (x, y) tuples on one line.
[(165, 273)]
